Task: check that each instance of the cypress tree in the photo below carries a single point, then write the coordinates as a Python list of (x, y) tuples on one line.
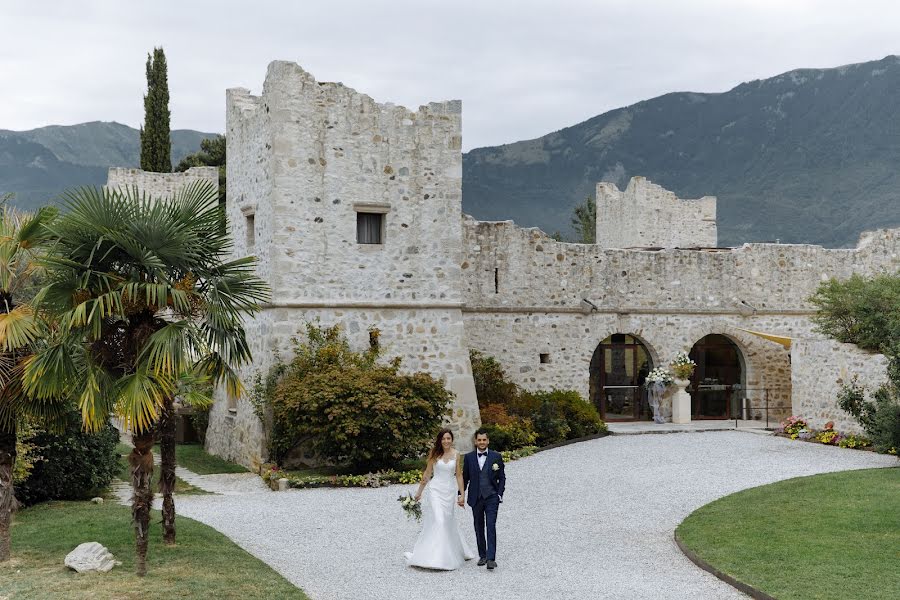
[(156, 147)]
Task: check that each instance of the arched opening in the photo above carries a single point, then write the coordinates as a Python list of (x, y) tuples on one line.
[(619, 366), (718, 378)]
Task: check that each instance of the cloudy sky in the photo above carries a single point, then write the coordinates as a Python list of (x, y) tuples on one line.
[(522, 68)]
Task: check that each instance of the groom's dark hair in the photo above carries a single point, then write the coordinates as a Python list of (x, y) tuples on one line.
[(482, 431)]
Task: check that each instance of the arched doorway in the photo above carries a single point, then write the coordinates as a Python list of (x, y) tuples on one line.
[(717, 381), (618, 369)]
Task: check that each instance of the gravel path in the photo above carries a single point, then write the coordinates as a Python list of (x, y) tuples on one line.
[(589, 520)]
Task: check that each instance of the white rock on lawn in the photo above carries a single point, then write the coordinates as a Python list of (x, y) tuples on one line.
[(91, 556)]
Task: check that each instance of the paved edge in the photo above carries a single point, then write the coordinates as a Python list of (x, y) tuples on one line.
[(739, 585)]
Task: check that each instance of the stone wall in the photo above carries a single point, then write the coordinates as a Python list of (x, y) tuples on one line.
[(304, 158), (507, 267), (528, 295), (819, 367), (647, 215), (160, 185)]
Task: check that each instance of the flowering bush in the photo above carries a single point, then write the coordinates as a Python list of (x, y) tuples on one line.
[(794, 426), (854, 441), (828, 436), (659, 376), (682, 365)]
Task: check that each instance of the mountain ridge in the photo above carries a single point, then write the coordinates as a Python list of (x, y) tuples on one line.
[(807, 156)]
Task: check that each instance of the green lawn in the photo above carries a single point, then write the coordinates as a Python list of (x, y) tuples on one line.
[(828, 536), (194, 458), (181, 486), (204, 563)]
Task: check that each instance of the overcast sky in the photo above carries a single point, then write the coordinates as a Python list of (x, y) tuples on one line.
[(522, 69)]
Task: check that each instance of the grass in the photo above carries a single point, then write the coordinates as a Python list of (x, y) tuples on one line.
[(827, 536), (194, 458), (181, 486), (204, 563)]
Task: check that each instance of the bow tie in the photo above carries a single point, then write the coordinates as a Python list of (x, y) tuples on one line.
[(482, 454)]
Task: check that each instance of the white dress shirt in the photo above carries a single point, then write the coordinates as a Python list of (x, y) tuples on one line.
[(481, 459)]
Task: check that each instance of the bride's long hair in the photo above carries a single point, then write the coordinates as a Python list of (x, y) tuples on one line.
[(437, 451)]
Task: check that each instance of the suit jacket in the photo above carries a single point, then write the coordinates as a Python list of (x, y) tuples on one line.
[(472, 475)]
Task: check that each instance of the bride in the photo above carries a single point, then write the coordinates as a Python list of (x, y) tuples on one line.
[(440, 544)]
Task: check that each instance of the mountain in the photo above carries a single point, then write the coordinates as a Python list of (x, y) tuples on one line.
[(37, 165), (810, 156)]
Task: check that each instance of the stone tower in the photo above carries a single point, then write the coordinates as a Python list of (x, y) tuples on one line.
[(354, 211)]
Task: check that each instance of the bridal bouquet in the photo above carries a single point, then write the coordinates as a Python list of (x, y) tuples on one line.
[(411, 506)]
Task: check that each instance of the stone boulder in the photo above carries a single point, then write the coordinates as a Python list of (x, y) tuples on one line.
[(91, 556)]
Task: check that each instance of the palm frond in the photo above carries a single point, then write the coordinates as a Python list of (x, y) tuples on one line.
[(140, 397), (18, 328)]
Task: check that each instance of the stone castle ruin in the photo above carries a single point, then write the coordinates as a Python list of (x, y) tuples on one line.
[(354, 209)]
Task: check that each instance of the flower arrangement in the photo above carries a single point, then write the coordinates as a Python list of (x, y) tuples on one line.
[(660, 376), (682, 365), (411, 506), (794, 426)]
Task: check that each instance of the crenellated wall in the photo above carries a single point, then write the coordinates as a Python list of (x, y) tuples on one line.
[(160, 185), (528, 295), (646, 215)]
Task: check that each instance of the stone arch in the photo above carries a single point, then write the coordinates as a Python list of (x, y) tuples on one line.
[(619, 364), (718, 381)]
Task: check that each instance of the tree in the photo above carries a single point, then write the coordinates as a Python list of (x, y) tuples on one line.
[(156, 145), (21, 239), (866, 312), (212, 154), (148, 307), (584, 222)]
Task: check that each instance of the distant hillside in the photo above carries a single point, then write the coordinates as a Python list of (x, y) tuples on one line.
[(810, 156), (38, 164)]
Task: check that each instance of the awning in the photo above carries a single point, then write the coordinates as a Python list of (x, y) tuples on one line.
[(778, 339)]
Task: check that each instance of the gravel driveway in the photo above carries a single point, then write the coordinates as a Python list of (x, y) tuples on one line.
[(589, 520)]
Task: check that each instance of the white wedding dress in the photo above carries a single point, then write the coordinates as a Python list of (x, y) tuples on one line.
[(440, 544)]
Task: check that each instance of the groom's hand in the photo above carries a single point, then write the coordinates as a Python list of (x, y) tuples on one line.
[(460, 502)]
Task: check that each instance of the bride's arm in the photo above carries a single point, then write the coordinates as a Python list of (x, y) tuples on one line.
[(426, 475), (459, 476)]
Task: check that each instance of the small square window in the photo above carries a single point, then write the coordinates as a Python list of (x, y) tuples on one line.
[(545, 358), (369, 228), (250, 221)]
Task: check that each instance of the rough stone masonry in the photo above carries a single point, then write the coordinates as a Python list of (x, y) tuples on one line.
[(354, 210)]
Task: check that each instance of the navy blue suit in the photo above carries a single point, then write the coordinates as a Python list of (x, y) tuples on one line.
[(485, 488)]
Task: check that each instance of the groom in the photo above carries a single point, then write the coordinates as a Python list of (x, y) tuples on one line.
[(483, 474)]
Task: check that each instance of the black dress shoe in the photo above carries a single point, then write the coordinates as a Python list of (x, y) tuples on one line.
[(492, 564), (482, 562)]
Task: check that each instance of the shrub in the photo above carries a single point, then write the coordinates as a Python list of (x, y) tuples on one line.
[(491, 386), (200, 421), (854, 441), (27, 453), (73, 465), (348, 409), (495, 414), (553, 416), (564, 415), (880, 417), (515, 435)]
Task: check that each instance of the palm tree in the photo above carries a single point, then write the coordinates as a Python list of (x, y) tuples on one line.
[(146, 301), (21, 237)]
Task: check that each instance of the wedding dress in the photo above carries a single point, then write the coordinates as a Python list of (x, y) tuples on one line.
[(440, 544)]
